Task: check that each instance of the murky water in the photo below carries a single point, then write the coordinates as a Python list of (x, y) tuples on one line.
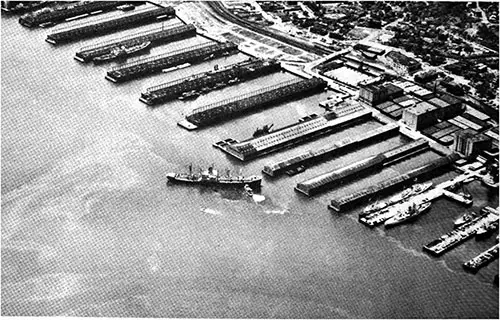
[(89, 227)]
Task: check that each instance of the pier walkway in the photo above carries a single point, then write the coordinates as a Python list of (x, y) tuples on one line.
[(69, 10), (109, 26), (460, 234), (374, 163), (314, 156), (290, 135)]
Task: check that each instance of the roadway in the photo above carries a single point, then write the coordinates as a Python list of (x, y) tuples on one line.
[(224, 13)]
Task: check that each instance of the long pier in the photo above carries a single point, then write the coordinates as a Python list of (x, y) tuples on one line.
[(314, 156), (321, 182), (208, 81), (156, 64), (459, 235), (265, 97), (156, 36), (350, 200), (290, 135), (70, 10), (482, 259), (109, 26)]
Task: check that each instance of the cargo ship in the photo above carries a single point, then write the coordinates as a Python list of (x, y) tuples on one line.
[(122, 52), (212, 177), (410, 213)]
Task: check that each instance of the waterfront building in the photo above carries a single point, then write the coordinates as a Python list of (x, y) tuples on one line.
[(421, 116), (374, 93), (469, 143)]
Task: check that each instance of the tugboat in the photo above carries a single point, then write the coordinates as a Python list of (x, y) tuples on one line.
[(122, 52), (410, 213), (212, 177), (466, 217), (491, 177), (263, 131)]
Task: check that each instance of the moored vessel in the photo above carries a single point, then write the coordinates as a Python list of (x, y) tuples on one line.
[(466, 217), (410, 213), (122, 52), (212, 177), (374, 207), (406, 193), (421, 187)]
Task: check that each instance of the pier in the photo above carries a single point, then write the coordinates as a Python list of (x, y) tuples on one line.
[(208, 81), (290, 135), (109, 26), (265, 97), (156, 36), (482, 259), (70, 10), (341, 175), (460, 234), (344, 202), (156, 64), (314, 156)]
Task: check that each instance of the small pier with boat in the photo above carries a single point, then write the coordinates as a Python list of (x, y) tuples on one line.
[(266, 97), (204, 82), (481, 260), (294, 134), (347, 201), (155, 64), (155, 36), (461, 233), (368, 165)]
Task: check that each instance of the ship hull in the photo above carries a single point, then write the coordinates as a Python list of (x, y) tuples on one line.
[(254, 183)]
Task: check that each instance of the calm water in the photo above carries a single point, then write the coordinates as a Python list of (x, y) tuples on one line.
[(89, 227)]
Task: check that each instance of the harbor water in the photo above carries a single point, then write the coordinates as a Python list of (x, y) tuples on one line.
[(90, 227)]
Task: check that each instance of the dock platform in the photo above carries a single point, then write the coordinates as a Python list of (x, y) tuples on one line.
[(265, 97), (458, 235), (207, 81), (156, 36), (292, 135), (481, 260), (328, 151), (341, 203), (337, 176), (155, 64), (109, 26)]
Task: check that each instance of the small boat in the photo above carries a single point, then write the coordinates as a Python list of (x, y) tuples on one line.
[(377, 206), (401, 196), (412, 212), (466, 217), (421, 187), (189, 95)]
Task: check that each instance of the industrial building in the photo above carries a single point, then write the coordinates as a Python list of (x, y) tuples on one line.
[(469, 143)]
